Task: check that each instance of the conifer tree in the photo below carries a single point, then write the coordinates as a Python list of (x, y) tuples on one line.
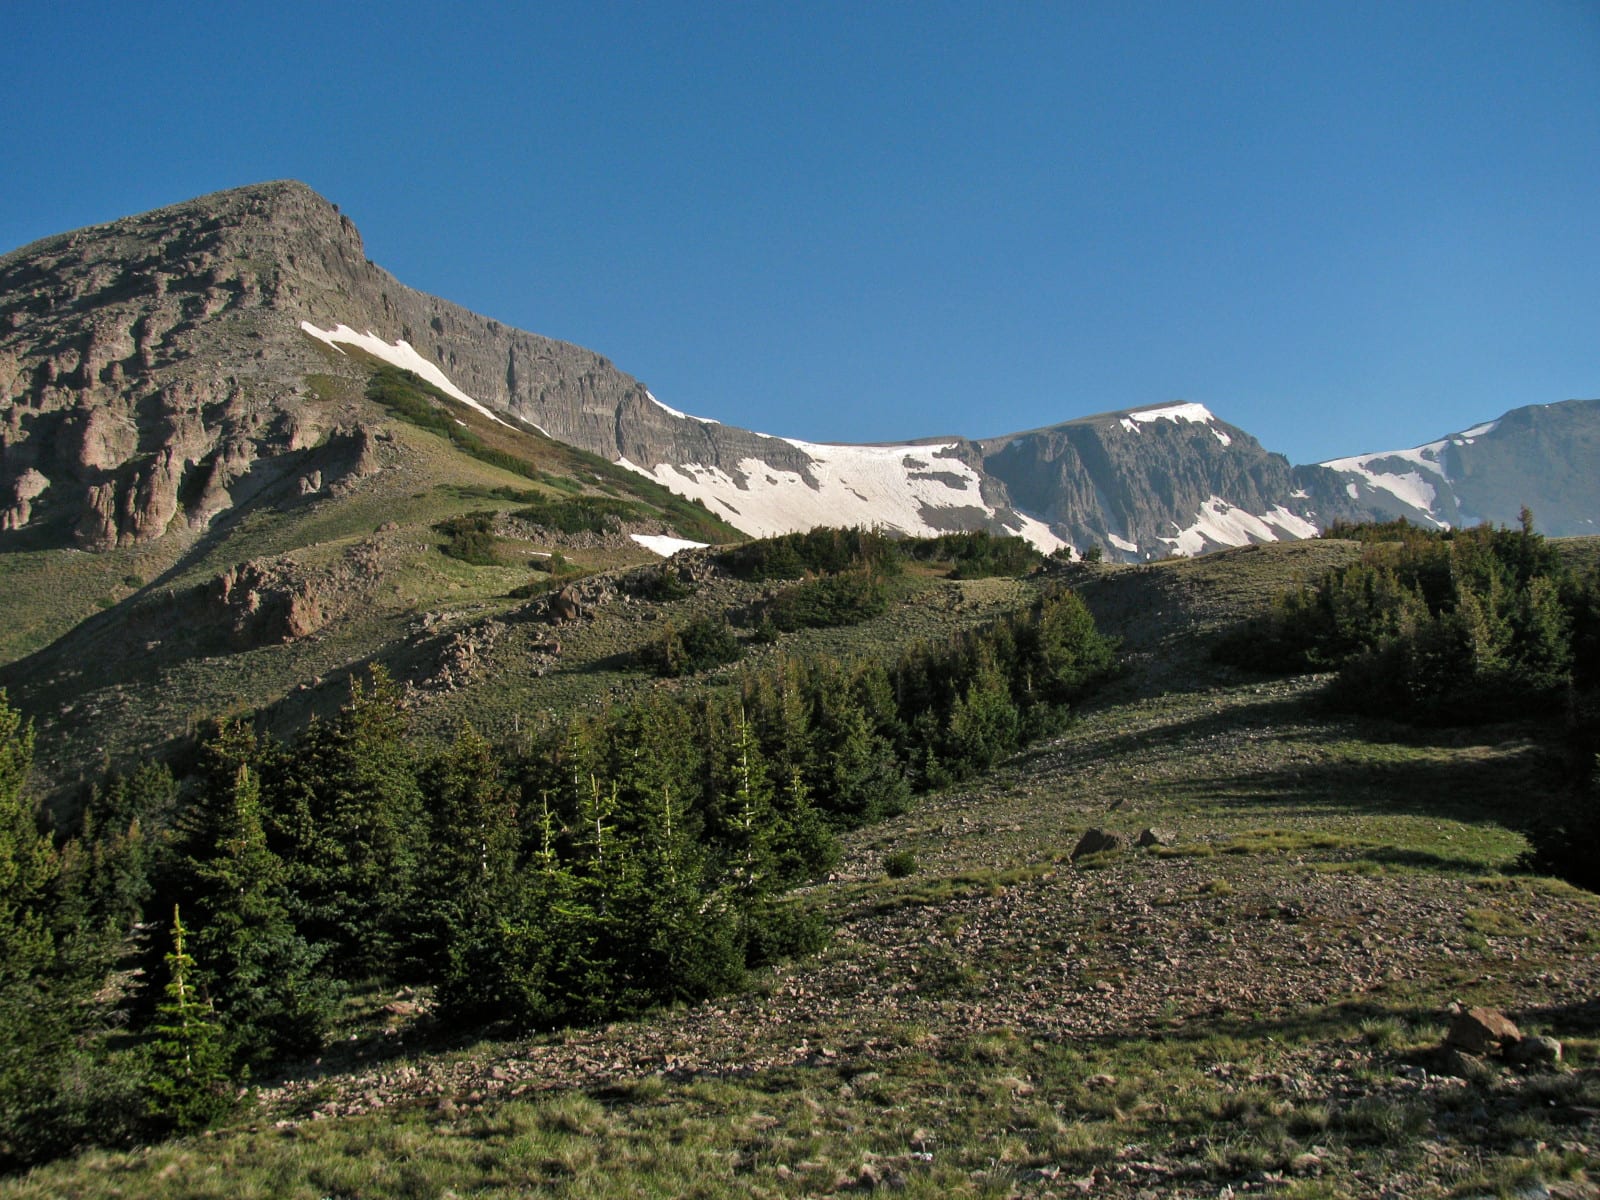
[(34, 1031), (189, 1085), (353, 810), (261, 975), (470, 869)]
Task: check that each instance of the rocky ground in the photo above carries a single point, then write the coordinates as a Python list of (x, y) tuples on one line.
[(1323, 896), (1256, 1003)]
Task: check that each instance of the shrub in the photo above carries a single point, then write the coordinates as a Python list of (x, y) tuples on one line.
[(977, 554), (470, 539), (584, 514), (899, 864), (829, 601), (705, 642)]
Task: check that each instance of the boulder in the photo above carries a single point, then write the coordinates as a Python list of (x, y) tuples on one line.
[(1535, 1051), (564, 607), (1096, 841), (1482, 1031), (1155, 837)]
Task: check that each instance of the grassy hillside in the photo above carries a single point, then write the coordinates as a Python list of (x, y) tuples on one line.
[(1256, 1004), (365, 556)]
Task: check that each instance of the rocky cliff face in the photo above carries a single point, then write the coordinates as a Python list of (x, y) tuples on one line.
[(1158, 481), (159, 370), (154, 369)]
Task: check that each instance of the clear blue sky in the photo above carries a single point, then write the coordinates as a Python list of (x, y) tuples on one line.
[(1343, 226)]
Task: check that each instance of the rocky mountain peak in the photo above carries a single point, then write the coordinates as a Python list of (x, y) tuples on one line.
[(158, 370)]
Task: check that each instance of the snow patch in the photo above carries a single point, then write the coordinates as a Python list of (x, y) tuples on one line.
[(1123, 543), (1219, 523), (1417, 487), (842, 486), (1037, 532), (401, 354), (659, 543), (1478, 431), (1196, 413), (682, 416)]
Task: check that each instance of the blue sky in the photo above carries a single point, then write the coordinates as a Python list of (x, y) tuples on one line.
[(1342, 226)]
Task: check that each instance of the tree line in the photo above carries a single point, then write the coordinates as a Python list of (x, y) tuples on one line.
[(1466, 626), (634, 856)]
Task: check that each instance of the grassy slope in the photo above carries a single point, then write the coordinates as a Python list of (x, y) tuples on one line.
[(1255, 1006), (90, 657)]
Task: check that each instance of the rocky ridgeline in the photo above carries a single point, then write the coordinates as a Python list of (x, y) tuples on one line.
[(154, 370), (1097, 479)]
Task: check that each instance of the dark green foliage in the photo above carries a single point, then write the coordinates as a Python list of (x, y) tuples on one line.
[(266, 982), (35, 1037), (471, 539), (470, 872), (820, 551), (584, 514), (900, 864), (1449, 626), (661, 583), (704, 642), (348, 819), (828, 601), (977, 554)]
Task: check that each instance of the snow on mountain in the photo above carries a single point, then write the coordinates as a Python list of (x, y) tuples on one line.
[(682, 416), (1219, 523), (401, 354), (1414, 477), (662, 544), (1198, 414), (920, 490)]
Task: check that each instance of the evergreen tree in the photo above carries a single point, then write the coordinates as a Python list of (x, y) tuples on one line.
[(189, 1085), (34, 1030), (262, 977), (854, 774), (471, 868), (351, 810)]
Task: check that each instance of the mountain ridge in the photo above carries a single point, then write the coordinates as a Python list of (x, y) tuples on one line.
[(153, 374)]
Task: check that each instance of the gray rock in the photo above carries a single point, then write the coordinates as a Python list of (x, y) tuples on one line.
[(1535, 1051), (1096, 841)]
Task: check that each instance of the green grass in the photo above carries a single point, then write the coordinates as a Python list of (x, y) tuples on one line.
[(981, 1114)]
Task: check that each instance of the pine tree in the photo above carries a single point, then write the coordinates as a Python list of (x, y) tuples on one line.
[(471, 867), (189, 1085), (35, 1036), (263, 978), (352, 809)]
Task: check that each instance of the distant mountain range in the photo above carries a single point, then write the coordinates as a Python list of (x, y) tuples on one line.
[(160, 370)]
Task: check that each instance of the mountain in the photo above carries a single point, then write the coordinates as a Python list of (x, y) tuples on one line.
[(1542, 456), (157, 371)]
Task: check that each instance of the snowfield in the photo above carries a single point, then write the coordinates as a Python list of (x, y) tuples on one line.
[(1419, 486), (1219, 523), (897, 488), (401, 354)]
